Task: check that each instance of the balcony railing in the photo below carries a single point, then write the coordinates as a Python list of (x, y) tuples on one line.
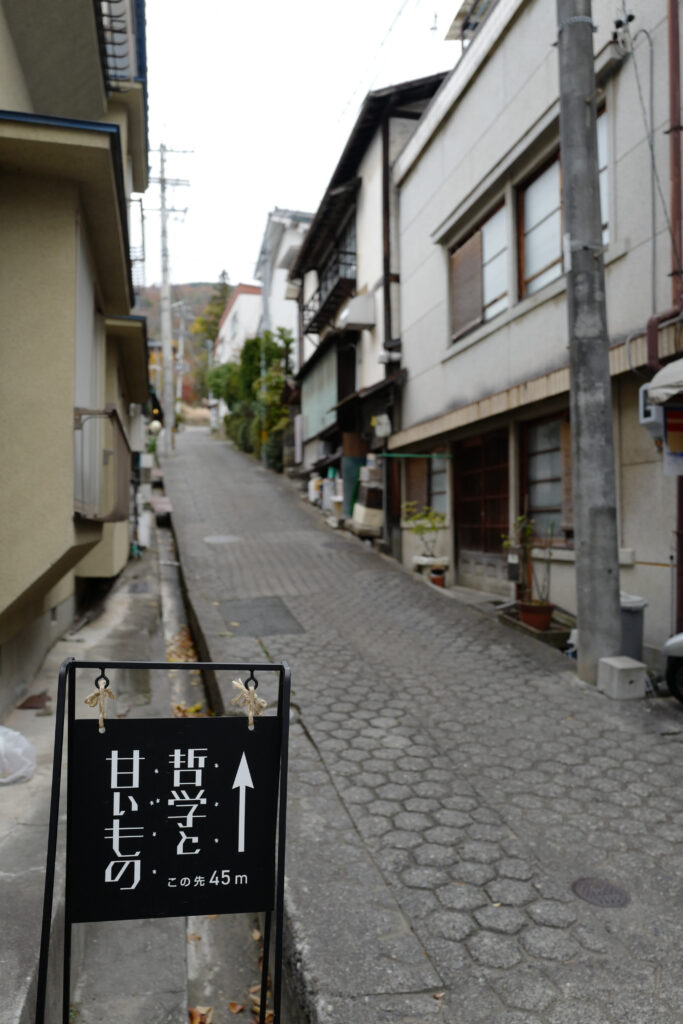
[(122, 41), (102, 466), (337, 282)]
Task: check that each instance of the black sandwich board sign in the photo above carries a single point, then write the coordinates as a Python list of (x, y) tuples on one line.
[(170, 817)]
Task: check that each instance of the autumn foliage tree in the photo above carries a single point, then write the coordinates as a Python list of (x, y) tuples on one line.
[(205, 329), (257, 415)]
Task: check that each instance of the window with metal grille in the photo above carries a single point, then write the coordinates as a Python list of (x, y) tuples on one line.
[(480, 479), (547, 485), (438, 483)]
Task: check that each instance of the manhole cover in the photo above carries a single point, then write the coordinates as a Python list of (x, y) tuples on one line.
[(139, 587), (259, 616), (221, 538), (600, 893)]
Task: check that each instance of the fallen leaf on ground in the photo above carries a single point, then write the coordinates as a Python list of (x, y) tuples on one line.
[(210, 917), (254, 988), (236, 1007), (439, 995), (201, 1014), (181, 710), (256, 935), (193, 937)]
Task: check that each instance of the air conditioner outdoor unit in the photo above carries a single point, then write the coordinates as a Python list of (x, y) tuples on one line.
[(650, 416)]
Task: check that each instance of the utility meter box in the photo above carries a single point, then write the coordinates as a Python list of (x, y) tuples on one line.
[(650, 416)]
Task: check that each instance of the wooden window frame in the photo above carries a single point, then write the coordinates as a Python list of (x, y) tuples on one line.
[(482, 500), (430, 480), (475, 320), (565, 537), (522, 281)]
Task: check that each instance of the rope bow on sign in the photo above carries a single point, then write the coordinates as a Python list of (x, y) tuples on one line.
[(98, 698), (248, 699)]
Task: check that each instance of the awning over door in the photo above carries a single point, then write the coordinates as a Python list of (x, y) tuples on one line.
[(666, 383)]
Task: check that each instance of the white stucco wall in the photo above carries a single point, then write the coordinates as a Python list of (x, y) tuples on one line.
[(473, 151), (499, 132), (370, 261), (241, 323)]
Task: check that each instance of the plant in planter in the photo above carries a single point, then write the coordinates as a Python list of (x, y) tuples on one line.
[(533, 597), (425, 524)]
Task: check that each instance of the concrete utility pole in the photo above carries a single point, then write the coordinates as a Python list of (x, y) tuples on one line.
[(166, 324), (594, 489), (166, 327), (182, 313), (265, 322)]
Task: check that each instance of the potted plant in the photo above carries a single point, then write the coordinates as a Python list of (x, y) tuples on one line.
[(424, 523), (437, 576), (533, 589)]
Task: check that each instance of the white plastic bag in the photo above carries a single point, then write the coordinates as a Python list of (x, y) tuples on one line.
[(17, 757)]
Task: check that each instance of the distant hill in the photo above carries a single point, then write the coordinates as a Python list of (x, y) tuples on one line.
[(196, 296), (149, 304)]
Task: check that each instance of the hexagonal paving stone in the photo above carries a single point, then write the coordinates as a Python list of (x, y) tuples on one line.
[(484, 853), (453, 819), (552, 913), (512, 867), (392, 791), (525, 989), (451, 925), (459, 896), (442, 834), (494, 950), (477, 874), (412, 820), (424, 878), (510, 892), (403, 840), (431, 853), (507, 920), (549, 943)]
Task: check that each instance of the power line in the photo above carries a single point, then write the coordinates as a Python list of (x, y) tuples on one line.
[(377, 53)]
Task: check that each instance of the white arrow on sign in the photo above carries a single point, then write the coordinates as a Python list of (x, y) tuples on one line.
[(242, 781)]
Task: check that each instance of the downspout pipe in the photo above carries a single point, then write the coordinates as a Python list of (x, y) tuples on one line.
[(653, 325), (676, 279), (675, 150), (655, 321), (386, 238), (674, 313), (386, 296)]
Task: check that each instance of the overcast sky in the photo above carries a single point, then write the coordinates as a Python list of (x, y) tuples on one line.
[(265, 94)]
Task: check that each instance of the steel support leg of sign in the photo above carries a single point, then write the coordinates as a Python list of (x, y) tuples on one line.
[(51, 844), (70, 717), (283, 708)]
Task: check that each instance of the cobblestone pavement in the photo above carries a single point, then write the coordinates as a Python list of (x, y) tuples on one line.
[(450, 780)]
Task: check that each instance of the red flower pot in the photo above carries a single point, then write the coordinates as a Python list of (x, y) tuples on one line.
[(535, 614)]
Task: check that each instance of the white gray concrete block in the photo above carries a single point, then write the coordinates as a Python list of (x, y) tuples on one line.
[(622, 678)]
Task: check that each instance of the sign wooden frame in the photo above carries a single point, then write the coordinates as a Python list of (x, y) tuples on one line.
[(169, 806)]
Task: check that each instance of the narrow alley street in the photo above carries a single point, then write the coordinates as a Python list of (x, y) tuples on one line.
[(449, 779)]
